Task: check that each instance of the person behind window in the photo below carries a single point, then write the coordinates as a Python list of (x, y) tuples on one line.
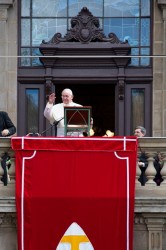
[(55, 113), (7, 127), (142, 163)]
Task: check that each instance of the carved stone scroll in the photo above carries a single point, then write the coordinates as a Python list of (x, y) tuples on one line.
[(85, 28)]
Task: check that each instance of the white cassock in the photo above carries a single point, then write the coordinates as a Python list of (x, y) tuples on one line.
[(56, 113)]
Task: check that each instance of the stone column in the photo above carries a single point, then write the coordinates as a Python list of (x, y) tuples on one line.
[(162, 6)]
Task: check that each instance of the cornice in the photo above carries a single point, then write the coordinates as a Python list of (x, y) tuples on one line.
[(150, 205), (151, 143), (162, 6), (161, 2), (7, 205), (4, 5)]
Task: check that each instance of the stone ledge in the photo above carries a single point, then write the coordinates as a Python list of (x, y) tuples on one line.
[(6, 2), (142, 205), (151, 143), (150, 205), (161, 2), (7, 204)]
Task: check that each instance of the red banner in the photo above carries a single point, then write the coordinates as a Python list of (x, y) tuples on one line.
[(75, 193)]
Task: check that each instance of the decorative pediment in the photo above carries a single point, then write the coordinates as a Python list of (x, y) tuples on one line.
[(85, 28), (85, 47)]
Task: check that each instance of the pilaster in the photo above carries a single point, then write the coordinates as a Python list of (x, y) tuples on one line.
[(162, 7), (4, 5), (8, 63), (155, 225)]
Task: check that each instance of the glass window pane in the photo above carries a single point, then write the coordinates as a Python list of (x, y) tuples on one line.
[(117, 16), (94, 6), (145, 32), (49, 8), (32, 108), (25, 32), (121, 8), (25, 8), (131, 31), (125, 29), (145, 8), (145, 61), (46, 28), (137, 107), (134, 60), (35, 60), (25, 57)]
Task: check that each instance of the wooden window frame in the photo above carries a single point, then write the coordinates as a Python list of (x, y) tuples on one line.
[(147, 108)]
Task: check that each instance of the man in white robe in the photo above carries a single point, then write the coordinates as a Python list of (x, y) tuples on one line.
[(55, 113)]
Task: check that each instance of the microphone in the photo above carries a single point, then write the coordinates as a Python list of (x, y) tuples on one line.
[(33, 134), (55, 123)]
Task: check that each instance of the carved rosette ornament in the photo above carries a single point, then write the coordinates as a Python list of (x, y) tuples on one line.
[(49, 85), (84, 29), (7, 220), (121, 86)]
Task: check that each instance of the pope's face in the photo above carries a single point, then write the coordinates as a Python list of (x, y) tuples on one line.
[(66, 97)]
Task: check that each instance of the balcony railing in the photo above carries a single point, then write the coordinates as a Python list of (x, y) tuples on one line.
[(150, 199), (151, 146)]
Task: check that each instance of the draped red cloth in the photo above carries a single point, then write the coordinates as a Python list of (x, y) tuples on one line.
[(84, 183)]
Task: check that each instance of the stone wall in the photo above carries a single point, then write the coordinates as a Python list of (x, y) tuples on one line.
[(8, 62), (8, 58)]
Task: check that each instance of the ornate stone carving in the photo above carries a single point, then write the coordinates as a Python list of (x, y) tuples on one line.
[(139, 219), (162, 5), (85, 28), (4, 5), (48, 86), (121, 85), (3, 14), (7, 219)]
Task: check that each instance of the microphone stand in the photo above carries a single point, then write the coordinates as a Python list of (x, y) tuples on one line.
[(54, 124), (47, 129)]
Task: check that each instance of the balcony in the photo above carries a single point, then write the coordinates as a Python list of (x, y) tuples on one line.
[(150, 200)]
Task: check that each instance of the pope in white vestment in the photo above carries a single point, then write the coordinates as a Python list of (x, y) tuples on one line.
[(56, 112)]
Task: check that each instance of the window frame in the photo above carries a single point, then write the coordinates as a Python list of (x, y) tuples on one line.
[(22, 118), (147, 108)]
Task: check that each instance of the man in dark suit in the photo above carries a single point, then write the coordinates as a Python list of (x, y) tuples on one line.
[(7, 127)]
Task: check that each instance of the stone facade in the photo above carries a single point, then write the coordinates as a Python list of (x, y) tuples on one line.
[(8, 63), (150, 203)]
